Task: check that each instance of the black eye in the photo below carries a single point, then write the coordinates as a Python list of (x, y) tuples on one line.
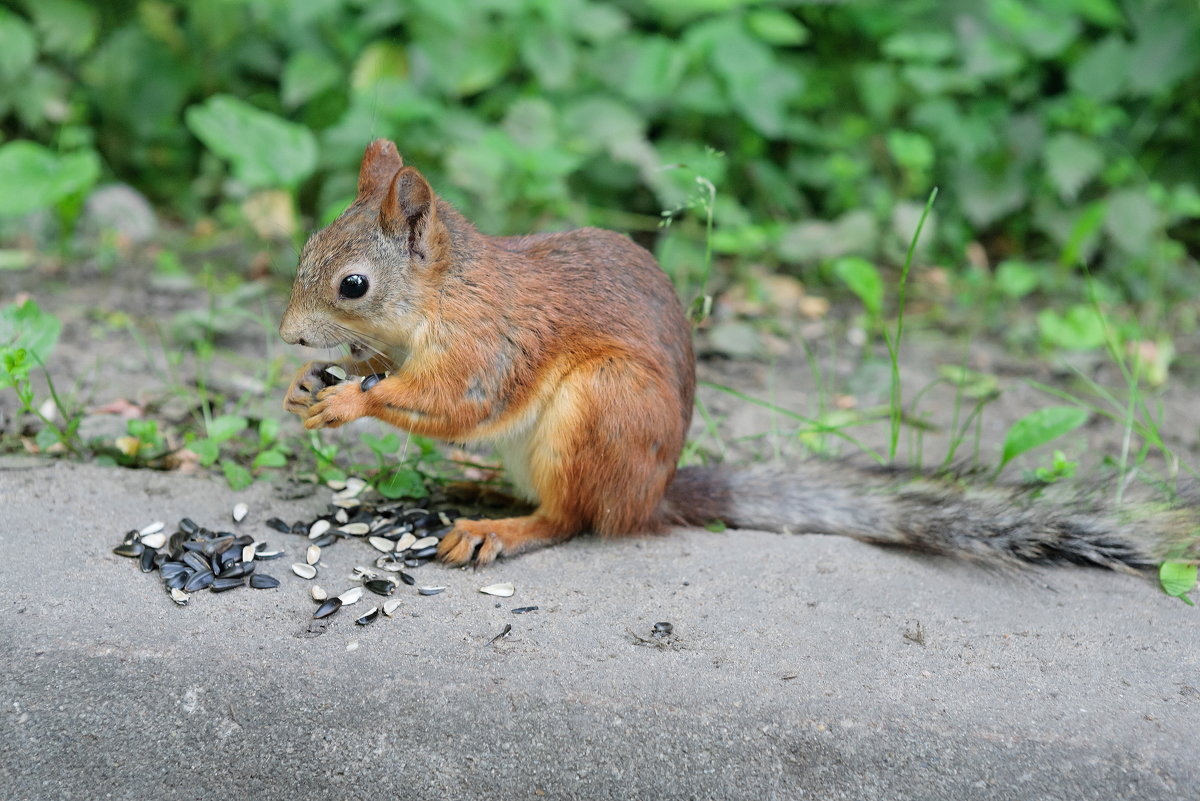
[(353, 286)]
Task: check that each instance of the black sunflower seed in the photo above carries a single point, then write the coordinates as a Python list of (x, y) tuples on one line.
[(326, 609), (279, 525), (662, 629), (380, 586), (131, 550), (261, 581), (325, 539), (188, 526), (371, 381), (424, 553), (521, 610), (178, 580), (147, 560), (199, 580), (169, 569), (195, 561), (226, 583), (238, 570), (407, 579), (369, 617)]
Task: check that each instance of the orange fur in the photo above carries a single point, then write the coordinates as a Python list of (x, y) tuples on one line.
[(570, 352)]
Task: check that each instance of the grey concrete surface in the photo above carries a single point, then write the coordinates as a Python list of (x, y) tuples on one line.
[(802, 667)]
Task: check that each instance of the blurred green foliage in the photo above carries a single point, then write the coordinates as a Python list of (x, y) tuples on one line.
[(1058, 131)]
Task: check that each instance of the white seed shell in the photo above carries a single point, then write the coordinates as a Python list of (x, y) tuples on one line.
[(318, 528), (341, 516), (317, 592), (239, 512), (336, 371), (405, 542), (347, 503), (391, 605), (313, 555), (336, 484), (304, 571), (153, 528), (156, 540), (350, 596), (502, 590), (179, 596), (424, 542), (355, 529), (248, 552), (381, 544)]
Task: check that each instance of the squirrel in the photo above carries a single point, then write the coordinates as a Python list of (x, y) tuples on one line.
[(570, 353)]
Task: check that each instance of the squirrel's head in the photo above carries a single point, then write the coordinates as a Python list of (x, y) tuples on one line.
[(362, 279)]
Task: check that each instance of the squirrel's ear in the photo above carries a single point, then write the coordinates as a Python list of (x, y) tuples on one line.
[(380, 163), (409, 210)]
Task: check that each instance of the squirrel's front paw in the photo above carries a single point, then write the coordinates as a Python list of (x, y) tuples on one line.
[(302, 394), (336, 405)]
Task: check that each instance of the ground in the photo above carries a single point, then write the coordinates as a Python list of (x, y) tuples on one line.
[(799, 666)]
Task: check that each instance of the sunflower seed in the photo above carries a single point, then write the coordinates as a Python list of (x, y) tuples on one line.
[(430, 590), (391, 605), (341, 516), (261, 581), (335, 484), (318, 528), (248, 553), (423, 543), (521, 610), (425, 553), (381, 544), (337, 371), (328, 608), (503, 633), (153, 528), (239, 512), (147, 561), (228, 583), (317, 592), (380, 586), (155, 540), (131, 550), (407, 579), (179, 596), (371, 380), (357, 530), (662, 629), (405, 542), (169, 570), (313, 554), (389, 565), (188, 526), (236, 569), (304, 571), (195, 561), (326, 540), (369, 617), (199, 580), (279, 525), (355, 485), (503, 590), (265, 556), (350, 596), (347, 503)]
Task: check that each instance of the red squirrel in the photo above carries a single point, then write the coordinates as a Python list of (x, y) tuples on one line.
[(571, 355)]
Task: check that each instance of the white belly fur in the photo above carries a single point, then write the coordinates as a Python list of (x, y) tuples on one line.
[(514, 452)]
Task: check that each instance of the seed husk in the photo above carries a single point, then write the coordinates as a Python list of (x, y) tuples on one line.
[(662, 629), (261, 581), (391, 605), (318, 528), (152, 528), (155, 540), (503, 590), (131, 550), (266, 556), (240, 511), (179, 596), (369, 617), (317, 592), (336, 484), (336, 371), (503, 633), (347, 503), (304, 570), (199, 580), (357, 530), (430, 590), (341, 516), (327, 608), (380, 586), (521, 610), (423, 543), (248, 553), (279, 525), (350, 596), (313, 554), (405, 542), (381, 544)]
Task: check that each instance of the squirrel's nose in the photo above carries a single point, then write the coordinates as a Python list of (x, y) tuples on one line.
[(302, 341)]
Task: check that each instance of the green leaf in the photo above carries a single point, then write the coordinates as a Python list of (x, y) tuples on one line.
[(1133, 220), (715, 526), (18, 47), (270, 458), (206, 449), (226, 426), (67, 26), (379, 61), (1103, 70), (265, 151), (28, 327), (922, 46), (238, 477), (777, 27), (912, 151), (1071, 161), (862, 277), (1016, 279), (45, 178), (1039, 428), (1177, 579), (268, 431), (403, 482), (971, 383), (389, 443), (1081, 328), (307, 74)]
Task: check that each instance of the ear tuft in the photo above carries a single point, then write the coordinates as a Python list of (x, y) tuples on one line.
[(409, 210), (380, 163)]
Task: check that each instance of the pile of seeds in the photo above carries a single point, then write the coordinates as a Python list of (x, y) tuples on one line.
[(195, 558)]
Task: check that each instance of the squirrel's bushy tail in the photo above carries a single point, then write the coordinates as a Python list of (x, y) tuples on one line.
[(995, 525)]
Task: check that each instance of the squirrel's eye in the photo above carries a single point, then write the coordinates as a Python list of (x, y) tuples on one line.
[(353, 286)]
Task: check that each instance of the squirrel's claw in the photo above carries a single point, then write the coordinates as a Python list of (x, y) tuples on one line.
[(335, 406)]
